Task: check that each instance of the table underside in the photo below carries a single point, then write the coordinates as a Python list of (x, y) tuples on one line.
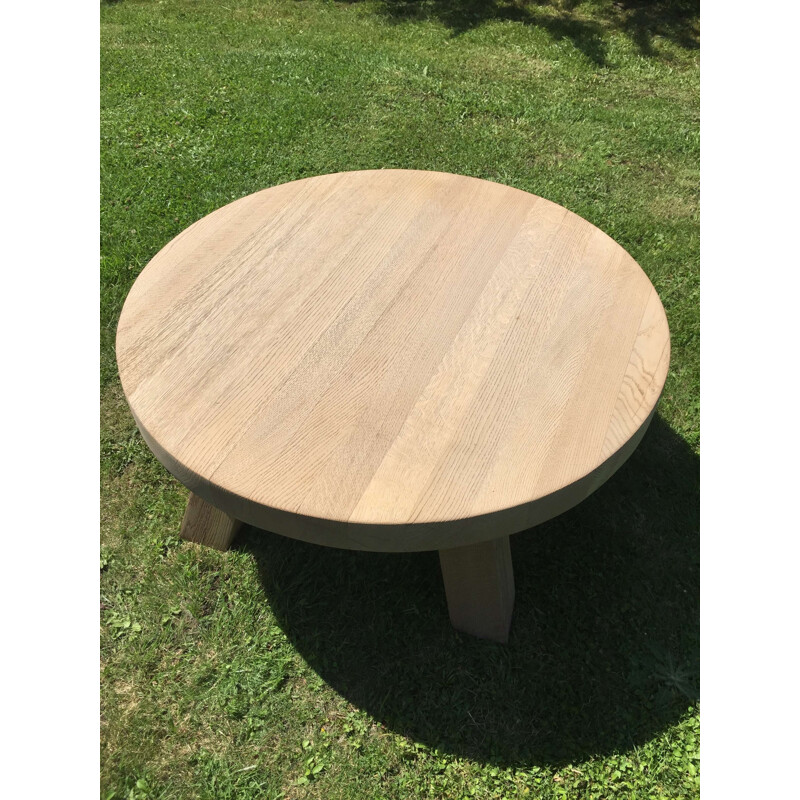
[(478, 578)]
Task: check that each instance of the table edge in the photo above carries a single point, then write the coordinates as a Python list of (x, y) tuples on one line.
[(400, 537)]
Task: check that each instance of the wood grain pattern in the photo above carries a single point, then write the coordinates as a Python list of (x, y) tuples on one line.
[(392, 360), (205, 524), (479, 584)]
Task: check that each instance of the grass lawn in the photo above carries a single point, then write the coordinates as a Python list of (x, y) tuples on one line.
[(285, 670)]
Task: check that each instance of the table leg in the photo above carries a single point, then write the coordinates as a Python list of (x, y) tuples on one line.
[(206, 524), (479, 583)]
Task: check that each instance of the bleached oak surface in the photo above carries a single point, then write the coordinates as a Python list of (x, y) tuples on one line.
[(392, 360)]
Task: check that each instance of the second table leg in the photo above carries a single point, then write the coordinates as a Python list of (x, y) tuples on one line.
[(206, 524), (479, 583)]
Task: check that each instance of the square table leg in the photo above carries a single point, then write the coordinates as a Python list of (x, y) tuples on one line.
[(205, 524), (479, 584)]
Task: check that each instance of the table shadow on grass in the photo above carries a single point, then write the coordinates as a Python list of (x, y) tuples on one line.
[(604, 646)]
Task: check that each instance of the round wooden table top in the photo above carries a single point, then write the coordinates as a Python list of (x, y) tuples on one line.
[(392, 359)]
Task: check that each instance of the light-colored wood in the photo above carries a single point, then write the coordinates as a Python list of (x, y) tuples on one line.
[(479, 584), (205, 524), (393, 360)]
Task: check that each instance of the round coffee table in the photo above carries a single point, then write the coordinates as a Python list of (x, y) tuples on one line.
[(393, 360)]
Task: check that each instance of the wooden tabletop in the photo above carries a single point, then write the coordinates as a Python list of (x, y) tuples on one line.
[(392, 359)]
